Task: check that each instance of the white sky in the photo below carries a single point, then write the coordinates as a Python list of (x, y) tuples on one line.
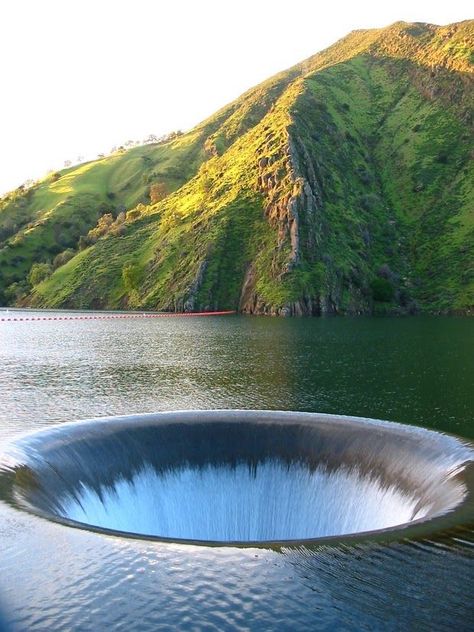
[(80, 77)]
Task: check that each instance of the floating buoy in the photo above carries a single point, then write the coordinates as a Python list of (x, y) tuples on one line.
[(111, 316)]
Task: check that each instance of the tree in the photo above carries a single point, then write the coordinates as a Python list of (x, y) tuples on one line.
[(83, 242), (382, 290), (16, 291), (63, 257), (158, 191), (135, 213), (102, 228), (39, 272)]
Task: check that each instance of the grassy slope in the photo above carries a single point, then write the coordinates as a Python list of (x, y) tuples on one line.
[(397, 174), (368, 140), (214, 221), (37, 224), (52, 215), (429, 177)]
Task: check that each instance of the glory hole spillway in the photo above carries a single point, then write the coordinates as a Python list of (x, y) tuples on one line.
[(242, 477)]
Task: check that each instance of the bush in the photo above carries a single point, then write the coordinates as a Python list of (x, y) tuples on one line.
[(384, 272), (83, 242), (16, 291), (102, 227), (131, 278), (158, 191), (369, 201), (135, 213), (382, 290), (39, 272), (63, 257)]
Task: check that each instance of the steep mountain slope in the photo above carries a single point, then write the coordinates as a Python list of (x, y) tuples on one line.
[(342, 185), (49, 218)]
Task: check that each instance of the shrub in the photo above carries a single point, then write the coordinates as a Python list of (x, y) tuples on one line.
[(39, 272), (369, 201), (135, 213), (158, 191), (102, 228), (83, 242), (131, 279), (16, 291), (384, 272), (63, 257), (382, 290)]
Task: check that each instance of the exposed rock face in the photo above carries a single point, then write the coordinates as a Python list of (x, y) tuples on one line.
[(297, 187), (190, 301), (292, 196)]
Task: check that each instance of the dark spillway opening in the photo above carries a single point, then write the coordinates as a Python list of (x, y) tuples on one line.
[(238, 476)]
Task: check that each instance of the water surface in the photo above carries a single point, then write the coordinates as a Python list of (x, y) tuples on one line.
[(413, 370), (418, 371)]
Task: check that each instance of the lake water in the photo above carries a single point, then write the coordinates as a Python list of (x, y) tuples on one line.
[(416, 371)]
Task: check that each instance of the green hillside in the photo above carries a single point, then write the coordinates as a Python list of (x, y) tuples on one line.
[(343, 185)]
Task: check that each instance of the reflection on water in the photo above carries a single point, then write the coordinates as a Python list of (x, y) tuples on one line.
[(417, 370)]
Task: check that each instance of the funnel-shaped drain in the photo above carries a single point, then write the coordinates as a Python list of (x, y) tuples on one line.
[(238, 476)]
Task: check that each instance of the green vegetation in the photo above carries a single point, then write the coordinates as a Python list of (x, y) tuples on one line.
[(344, 184), (39, 272), (382, 290)]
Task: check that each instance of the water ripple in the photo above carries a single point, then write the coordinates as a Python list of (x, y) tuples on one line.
[(408, 370)]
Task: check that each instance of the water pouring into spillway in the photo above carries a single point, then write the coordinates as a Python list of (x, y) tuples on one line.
[(240, 476), (270, 501)]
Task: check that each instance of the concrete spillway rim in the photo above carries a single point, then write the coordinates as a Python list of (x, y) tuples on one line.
[(460, 518)]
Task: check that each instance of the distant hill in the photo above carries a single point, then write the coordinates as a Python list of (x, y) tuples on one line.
[(342, 185)]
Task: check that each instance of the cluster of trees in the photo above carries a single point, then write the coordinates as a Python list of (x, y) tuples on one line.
[(40, 271), (165, 138), (107, 224), (149, 140), (55, 175), (18, 193)]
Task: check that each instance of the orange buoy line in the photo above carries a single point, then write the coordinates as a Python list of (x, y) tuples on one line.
[(111, 316)]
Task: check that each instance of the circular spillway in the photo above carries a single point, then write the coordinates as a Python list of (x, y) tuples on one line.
[(244, 477)]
